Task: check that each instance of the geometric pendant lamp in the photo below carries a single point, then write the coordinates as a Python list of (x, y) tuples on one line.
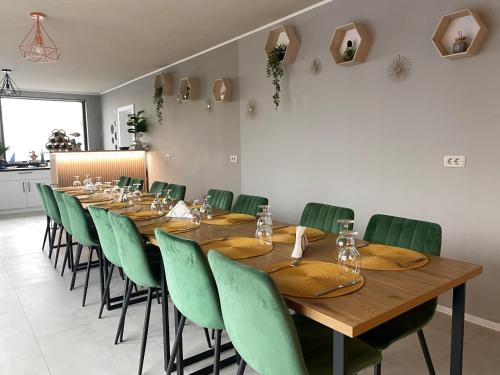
[(7, 85), (38, 46)]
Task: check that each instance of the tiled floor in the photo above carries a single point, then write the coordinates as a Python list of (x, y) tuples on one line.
[(44, 329)]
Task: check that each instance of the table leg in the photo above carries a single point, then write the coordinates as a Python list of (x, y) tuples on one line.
[(180, 354), (457, 330), (339, 354), (164, 313)]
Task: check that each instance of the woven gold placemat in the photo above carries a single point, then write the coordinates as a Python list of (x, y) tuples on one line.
[(311, 277), (79, 192), (143, 215), (390, 258), (230, 219), (114, 205), (172, 226), (69, 188), (287, 234), (95, 199), (238, 247)]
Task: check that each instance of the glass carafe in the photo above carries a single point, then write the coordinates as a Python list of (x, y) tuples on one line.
[(137, 195), (168, 202), (349, 257), (206, 209), (127, 196), (341, 239), (195, 213)]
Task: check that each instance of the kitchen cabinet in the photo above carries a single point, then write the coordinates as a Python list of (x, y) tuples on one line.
[(18, 192)]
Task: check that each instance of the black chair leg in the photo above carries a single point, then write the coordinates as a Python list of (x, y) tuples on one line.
[(213, 334), (218, 335), (52, 238), (241, 367), (66, 256), (207, 336), (58, 245), (47, 233), (377, 369), (106, 290), (86, 285), (75, 266), (121, 324), (425, 350), (175, 347), (145, 330)]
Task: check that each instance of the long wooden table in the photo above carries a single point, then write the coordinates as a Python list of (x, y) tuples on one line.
[(385, 295)]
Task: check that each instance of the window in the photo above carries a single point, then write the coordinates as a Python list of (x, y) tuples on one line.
[(28, 123)]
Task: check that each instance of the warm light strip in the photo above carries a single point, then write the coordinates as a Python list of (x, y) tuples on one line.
[(108, 165)]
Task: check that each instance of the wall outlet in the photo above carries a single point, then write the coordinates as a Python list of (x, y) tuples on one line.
[(167, 156), (454, 161), (233, 158)]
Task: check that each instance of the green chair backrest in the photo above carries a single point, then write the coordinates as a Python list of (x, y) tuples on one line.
[(42, 198), (158, 187), (178, 191), (249, 204), (51, 203), (124, 181), (324, 217), (136, 181), (421, 236), (106, 235), (59, 195), (132, 250), (256, 318), (222, 199), (191, 284), (81, 223)]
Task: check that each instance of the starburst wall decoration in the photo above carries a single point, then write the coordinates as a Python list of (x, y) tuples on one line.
[(400, 68)]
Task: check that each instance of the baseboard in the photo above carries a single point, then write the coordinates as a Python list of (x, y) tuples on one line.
[(472, 319)]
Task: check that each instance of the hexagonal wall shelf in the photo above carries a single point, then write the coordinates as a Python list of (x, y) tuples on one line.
[(188, 89), (163, 81), (361, 41), (283, 35), (469, 24), (222, 90)]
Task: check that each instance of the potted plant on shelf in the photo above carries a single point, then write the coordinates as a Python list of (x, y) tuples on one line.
[(3, 150), (158, 102), (274, 70), (137, 127)]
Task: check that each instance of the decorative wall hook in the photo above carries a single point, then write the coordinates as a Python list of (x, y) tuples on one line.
[(315, 66)]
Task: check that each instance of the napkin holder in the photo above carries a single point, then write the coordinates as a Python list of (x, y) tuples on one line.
[(180, 211), (301, 242)]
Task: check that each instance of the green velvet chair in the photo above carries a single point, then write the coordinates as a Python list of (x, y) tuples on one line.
[(192, 289), (46, 212), (66, 223), (85, 233), (124, 181), (264, 334), (134, 181), (141, 263), (221, 199), (325, 217), (55, 217), (178, 192), (249, 204), (158, 187), (421, 236)]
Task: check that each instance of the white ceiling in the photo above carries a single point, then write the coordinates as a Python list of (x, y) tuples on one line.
[(105, 43)]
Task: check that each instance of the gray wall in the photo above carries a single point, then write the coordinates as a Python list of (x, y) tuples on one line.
[(199, 142), (350, 136)]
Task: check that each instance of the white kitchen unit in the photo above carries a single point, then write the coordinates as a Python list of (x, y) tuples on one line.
[(18, 191)]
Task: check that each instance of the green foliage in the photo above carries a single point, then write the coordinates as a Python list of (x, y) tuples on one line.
[(158, 102), (137, 123), (274, 69), (3, 149)]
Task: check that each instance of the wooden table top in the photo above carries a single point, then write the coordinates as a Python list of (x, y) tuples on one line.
[(385, 295)]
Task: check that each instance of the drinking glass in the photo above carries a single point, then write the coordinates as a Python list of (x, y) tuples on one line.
[(88, 185), (98, 183), (264, 209), (206, 209), (137, 195), (77, 182), (196, 217), (264, 231), (349, 257), (168, 202), (341, 239), (86, 179), (127, 196), (108, 190), (156, 205)]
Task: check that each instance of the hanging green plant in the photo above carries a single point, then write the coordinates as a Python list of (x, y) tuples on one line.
[(137, 123), (274, 70), (158, 102)]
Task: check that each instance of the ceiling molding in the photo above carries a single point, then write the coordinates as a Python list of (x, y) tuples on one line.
[(305, 10)]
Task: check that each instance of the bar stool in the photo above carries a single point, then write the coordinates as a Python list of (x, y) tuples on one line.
[(46, 212), (68, 256), (248, 204), (221, 199), (55, 216)]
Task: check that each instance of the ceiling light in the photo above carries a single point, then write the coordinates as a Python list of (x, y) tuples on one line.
[(38, 46), (7, 85)]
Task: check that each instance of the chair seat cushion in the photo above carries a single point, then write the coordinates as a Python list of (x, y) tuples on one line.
[(395, 329), (316, 341)]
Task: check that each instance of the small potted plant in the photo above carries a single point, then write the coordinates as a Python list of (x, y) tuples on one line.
[(137, 127), (158, 102), (274, 70), (3, 150)]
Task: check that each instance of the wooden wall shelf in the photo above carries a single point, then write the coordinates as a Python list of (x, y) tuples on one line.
[(222, 90), (188, 89), (469, 23), (284, 35), (164, 81), (361, 41)]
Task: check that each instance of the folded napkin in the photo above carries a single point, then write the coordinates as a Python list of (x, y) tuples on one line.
[(301, 242), (181, 211)]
